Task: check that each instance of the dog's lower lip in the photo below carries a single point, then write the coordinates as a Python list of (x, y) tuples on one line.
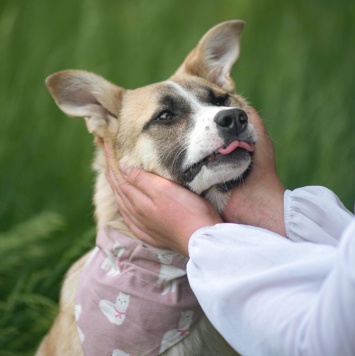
[(192, 172)]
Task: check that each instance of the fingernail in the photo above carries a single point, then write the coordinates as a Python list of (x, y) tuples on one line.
[(125, 170)]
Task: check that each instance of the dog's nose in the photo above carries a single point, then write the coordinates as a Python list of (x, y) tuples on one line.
[(232, 120)]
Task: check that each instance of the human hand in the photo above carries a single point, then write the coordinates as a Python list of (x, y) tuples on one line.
[(158, 211), (258, 201)]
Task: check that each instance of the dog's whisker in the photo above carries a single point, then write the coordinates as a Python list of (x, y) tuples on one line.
[(182, 150)]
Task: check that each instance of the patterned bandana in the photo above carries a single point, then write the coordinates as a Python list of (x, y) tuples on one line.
[(133, 299)]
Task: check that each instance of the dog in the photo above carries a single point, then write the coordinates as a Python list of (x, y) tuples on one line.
[(192, 129)]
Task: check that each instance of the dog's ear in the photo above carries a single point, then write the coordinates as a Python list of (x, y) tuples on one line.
[(215, 55), (83, 94)]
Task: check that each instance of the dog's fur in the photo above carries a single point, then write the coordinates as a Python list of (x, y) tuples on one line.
[(171, 129)]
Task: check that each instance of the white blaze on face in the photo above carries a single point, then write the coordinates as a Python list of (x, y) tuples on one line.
[(204, 137), (203, 140), (187, 95)]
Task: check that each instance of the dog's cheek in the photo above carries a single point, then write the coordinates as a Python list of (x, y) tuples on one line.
[(144, 154), (166, 147), (173, 156)]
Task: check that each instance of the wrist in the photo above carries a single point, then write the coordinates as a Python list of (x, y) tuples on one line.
[(208, 217), (261, 206)]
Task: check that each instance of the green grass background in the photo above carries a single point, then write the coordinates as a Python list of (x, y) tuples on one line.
[(296, 66)]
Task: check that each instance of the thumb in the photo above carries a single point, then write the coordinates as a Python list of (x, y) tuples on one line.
[(148, 183), (256, 120)]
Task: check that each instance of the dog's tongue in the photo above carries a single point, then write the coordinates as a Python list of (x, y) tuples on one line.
[(235, 144)]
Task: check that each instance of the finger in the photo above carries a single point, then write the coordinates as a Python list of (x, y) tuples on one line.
[(136, 177), (129, 215), (110, 160), (138, 232), (114, 179), (134, 225), (260, 127), (107, 150), (256, 119), (134, 199), (130, 199), (108, 154), (109, 177), (124, 204), (138, 228), (148, 183)]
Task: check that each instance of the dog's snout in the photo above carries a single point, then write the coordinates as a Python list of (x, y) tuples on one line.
[(232, 120)]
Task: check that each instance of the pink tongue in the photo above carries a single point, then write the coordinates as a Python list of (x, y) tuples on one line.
[(234, 145)]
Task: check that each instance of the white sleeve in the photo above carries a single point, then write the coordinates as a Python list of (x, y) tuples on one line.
[(315, 214), (270, 296)]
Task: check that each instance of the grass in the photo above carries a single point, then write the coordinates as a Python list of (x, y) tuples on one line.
[(296, 67)]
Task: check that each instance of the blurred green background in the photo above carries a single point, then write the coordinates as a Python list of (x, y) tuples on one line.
[(296, 67)]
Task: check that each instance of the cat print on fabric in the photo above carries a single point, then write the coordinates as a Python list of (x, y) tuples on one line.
[(128, 312), (77, 312), (168, 273), (172, 337), (111, 263), (115, 312)]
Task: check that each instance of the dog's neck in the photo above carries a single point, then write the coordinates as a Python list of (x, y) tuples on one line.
[(106, 208)]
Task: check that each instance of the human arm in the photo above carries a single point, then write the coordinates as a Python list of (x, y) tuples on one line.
[(269, 296), (315, 214)]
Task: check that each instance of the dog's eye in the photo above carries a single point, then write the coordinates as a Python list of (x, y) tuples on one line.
[(222, 100), (165, 115)]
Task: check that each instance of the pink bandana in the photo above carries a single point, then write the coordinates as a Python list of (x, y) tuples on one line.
[(133, 299)]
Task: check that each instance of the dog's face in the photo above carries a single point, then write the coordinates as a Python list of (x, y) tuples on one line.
[(187, 130), (192, 128)]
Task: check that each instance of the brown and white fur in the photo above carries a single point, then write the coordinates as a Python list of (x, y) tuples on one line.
[(176, 129)]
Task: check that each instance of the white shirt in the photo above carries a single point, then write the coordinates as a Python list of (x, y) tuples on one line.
[(268, 295)]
